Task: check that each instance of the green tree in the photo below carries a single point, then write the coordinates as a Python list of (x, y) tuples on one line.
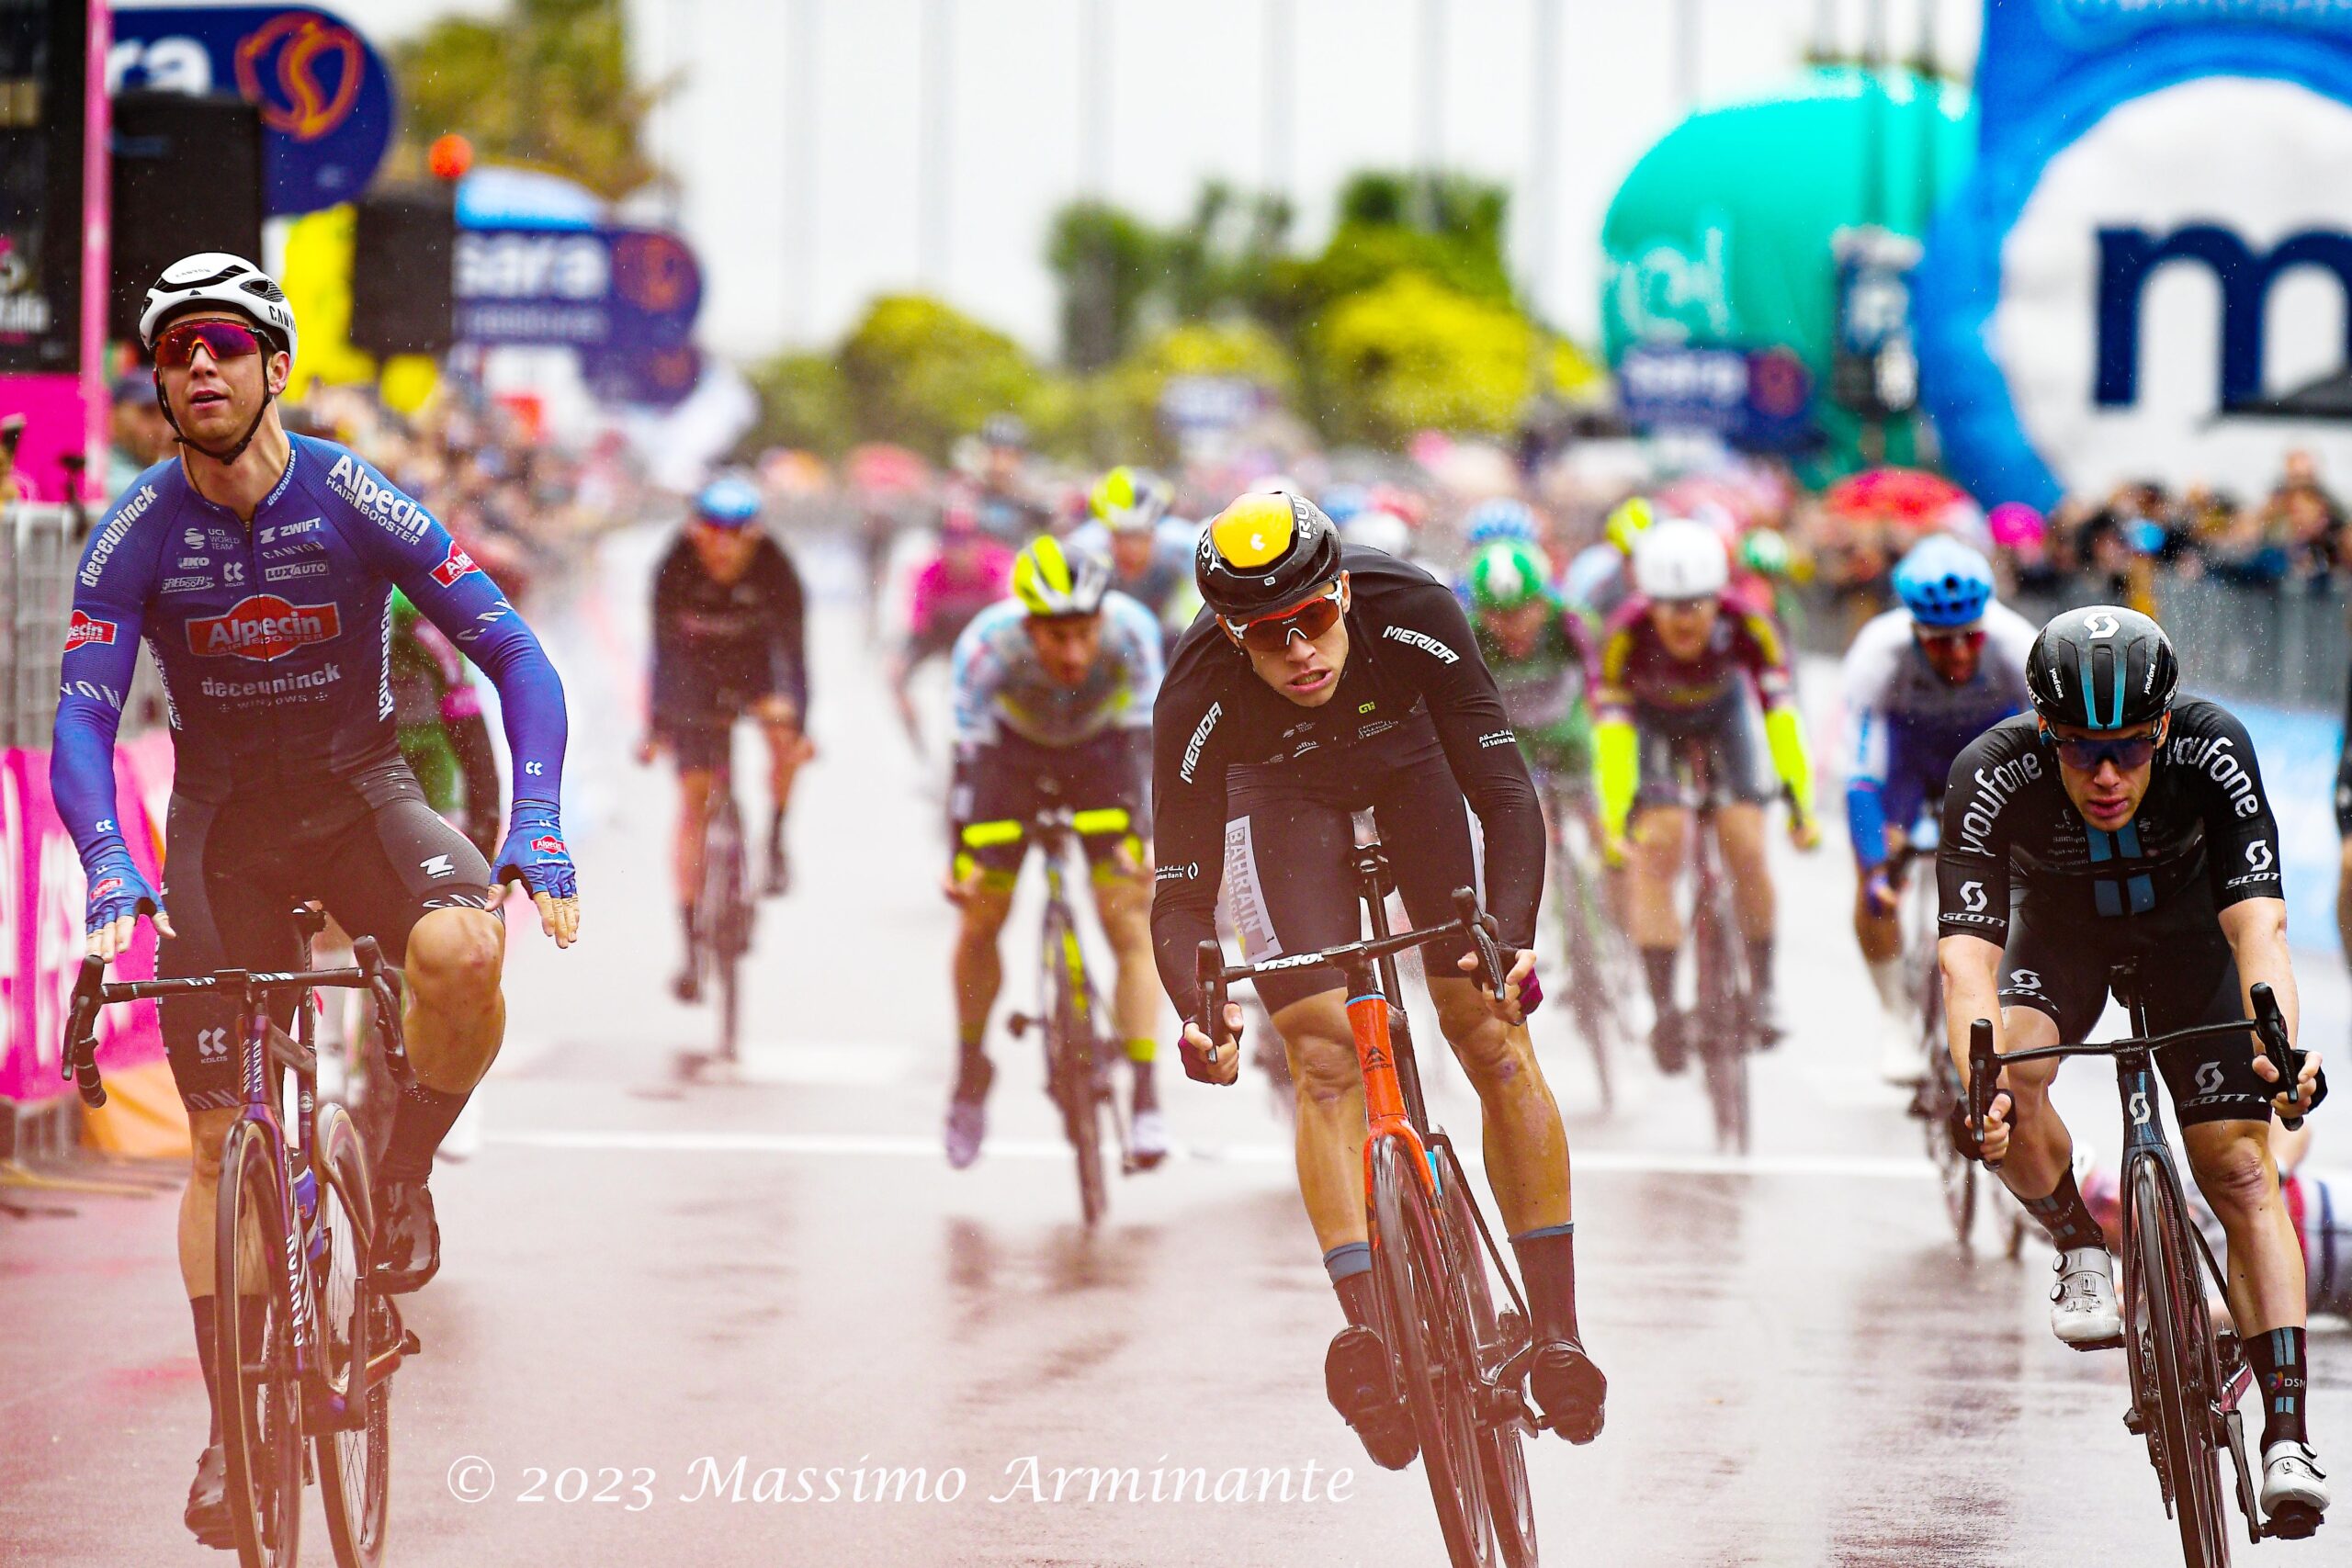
[(546, 85), (922, 373), (803, 403), (1411, 353), (1109, 262)]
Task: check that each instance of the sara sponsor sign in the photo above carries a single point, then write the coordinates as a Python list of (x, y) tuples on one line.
[(2151, 263), (1759, 397), (326, 100), (612, 291)]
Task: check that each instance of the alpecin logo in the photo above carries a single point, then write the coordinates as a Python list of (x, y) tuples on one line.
[(454, 565), (262, 627), (83, 628)]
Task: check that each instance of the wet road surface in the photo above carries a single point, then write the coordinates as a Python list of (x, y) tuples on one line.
[(648, 1279)]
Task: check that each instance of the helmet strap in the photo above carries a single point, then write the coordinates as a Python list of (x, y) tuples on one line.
[(229, 456)]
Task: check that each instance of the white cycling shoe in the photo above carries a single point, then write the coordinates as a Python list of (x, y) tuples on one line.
[(2294, 1488), (2083, 1313), (1900, 1061), (1147, 1139)]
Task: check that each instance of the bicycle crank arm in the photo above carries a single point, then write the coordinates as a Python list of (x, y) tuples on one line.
[(2234, 1434)]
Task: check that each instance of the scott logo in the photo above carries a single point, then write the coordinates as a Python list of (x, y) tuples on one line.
[(83, 628), (2257, 856), (2139, 1107), (2209, 1078), (263, 626), (2101, 625), (454, 565), (1971, 897), (2025, 980)]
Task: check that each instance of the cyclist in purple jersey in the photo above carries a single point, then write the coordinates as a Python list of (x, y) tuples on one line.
[(259, 570)]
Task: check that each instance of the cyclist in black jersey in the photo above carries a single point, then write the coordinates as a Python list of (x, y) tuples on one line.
[(2113, 822), (1324, 682), (729, 637)]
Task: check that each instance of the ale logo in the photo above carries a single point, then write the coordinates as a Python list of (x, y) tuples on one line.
[(262, 627)]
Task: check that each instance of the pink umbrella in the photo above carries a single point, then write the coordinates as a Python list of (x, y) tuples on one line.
[(1910, 498), (880, 469)]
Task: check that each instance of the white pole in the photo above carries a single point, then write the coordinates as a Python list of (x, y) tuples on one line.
[(1275, 95), (800, 172), (931, 179), (1544, 147), (1093, 96)]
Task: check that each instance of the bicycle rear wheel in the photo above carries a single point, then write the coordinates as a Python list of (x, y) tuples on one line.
[(1424, 1323), (354, 1477), (1954, 1174), (261, 1427), (2173, 1337), (729, 912), (1502, 1462), (1073, 1064)]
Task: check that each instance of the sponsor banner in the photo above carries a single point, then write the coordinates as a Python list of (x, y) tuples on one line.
[(326, 97), (1760, 398), (42, 897), (2118, 291), (625, 294)]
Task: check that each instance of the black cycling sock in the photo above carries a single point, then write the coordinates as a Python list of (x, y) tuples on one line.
[(207, 1355), (1349, 1266), (2277, 1359), (686, 927), (1548, 1260), (1759, 963), (2066, 1217), (776, 829), (1658, 968), (973, 1071), (420, 1120)]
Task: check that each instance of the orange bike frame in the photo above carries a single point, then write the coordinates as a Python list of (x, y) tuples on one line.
[(1383, 1094)]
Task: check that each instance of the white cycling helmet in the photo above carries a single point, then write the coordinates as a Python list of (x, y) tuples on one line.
[(1678, 558), (233, 283)]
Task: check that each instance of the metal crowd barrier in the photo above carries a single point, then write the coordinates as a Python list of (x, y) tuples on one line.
[(41, 546)]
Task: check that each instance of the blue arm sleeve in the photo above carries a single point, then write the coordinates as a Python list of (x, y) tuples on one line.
[(1866, 822), (101, 654), (458, 597)]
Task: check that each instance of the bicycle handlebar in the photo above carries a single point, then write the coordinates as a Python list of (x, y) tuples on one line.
[(1216, 975), (2268, 1025)]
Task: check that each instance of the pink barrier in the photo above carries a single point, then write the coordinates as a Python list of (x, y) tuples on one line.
[(42, 898)]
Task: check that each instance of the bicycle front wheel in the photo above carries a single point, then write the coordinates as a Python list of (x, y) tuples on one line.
[(1590, 1002), (2173, 1337), (1502, 1462), (1955, 1173), (355, 1476), (1424, 1323), (1073, 1067), (261, 1427), (1722, 1016)]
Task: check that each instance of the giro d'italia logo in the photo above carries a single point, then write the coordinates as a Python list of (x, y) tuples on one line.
[(2167, 291), (304, 70)]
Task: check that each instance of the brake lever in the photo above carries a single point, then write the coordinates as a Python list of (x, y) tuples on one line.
[(1984, 1076), (369, 959), (2270, 1025), (1475, 921), (81, 1055), (1209, 969)]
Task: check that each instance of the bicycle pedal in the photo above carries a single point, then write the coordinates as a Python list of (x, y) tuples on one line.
[(2112, 1342), (1019, 1024), (2135, 1424), (2293, 1522)]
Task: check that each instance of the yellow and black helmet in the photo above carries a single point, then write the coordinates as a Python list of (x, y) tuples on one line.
[(1129, 500), (1050, 581), (1268, 549)]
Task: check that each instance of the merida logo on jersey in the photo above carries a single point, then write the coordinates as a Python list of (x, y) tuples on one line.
[(454, 565), (396, 512), (1200, 738), (105, 544), (83, 629), (1423, 641), (262, 626)]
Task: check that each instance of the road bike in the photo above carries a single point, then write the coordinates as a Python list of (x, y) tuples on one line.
[(1071, 1021), (725, 911), (1460, 1363), (294, 1230), (1592, 943), (1724, 1019), (2186, 1376)]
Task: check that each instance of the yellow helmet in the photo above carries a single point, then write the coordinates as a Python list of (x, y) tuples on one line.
[(1051, 582), (1629, 521), (1129, 498)]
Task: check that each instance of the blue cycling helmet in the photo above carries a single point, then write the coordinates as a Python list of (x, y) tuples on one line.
[(1343, 502), (1944, 583), (1494, 522), (728, 501)]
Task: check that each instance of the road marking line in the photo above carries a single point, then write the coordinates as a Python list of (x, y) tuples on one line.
[(886, 1146)]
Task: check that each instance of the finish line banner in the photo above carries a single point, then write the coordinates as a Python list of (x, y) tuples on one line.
[(2147, 273), (615, 291)]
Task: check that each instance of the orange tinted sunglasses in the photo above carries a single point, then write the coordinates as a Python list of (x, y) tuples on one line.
[(1271, 632)]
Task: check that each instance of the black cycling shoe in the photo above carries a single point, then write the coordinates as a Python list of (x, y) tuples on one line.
[(686, 984), (408, 1240), (1667, 1045), (1569, 1389), (208, 1501), (1355, 1376)]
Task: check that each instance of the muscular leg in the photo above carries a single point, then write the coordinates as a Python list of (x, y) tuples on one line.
[(2041, 1152), (1526, 1149), (2234, 1171), (1330, 1132), (454, 1022), (978, 969), (1739, 828), (1123, 899), (785, 753), (693, 812), (200, 1198), (1661, 847)]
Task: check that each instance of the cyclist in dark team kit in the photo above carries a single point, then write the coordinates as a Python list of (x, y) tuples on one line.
[(1328, 681), (729, 638), (259, 570), (2114, 822)]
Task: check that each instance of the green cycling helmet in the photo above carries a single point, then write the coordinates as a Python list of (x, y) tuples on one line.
[(1505, 576)]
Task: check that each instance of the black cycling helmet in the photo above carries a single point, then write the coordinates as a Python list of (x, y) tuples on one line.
[(1267, 550), (2102, 667)]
